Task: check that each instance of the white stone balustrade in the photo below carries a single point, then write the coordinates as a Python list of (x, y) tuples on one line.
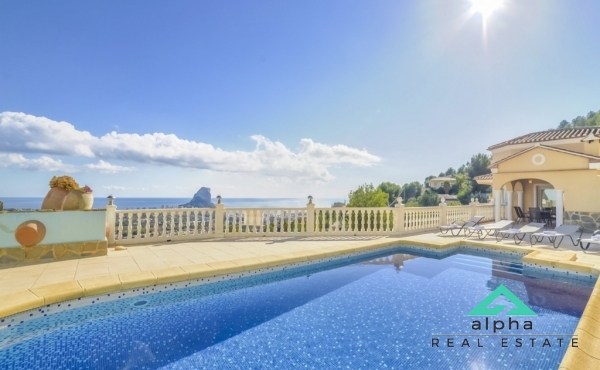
[(156, 225)]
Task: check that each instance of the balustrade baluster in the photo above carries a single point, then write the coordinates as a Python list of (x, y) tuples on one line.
[(129, 224), (120, 227)]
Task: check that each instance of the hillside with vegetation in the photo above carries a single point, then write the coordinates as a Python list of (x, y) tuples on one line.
[(416, 194), (591, 119)]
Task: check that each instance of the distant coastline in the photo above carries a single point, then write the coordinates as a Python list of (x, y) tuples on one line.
[(33, 203)]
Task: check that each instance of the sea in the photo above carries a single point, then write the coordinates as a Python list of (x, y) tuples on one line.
[(32, 203)]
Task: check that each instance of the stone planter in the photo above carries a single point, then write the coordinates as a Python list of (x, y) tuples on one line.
[(55, 199), (78, 200)]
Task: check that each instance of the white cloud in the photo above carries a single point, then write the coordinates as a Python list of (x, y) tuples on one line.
[(105, 167), (117, 187), (43, 163), (20, 132)]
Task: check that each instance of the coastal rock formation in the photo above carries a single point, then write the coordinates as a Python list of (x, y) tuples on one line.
[(200, 200)]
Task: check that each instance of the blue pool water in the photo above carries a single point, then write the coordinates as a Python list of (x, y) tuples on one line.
[(376, 314)]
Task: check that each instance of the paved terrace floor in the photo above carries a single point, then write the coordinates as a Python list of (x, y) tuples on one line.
[(23, 276)]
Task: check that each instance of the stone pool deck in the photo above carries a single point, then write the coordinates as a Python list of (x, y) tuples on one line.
[(25, 286)]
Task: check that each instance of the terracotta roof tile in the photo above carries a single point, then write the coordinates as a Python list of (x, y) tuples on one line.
[(537, 137), (487, 176)]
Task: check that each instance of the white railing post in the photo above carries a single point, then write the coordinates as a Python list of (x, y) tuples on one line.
[(399, 216), (111, 219), (473, 208), (310, 217), (443, 213), (219, 212)]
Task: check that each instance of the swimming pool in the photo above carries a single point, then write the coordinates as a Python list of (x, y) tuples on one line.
[(375, 312)]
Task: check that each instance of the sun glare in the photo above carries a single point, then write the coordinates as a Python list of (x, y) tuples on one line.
[(485, 7)]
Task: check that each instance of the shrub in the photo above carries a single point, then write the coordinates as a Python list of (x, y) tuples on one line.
[(66, 182)]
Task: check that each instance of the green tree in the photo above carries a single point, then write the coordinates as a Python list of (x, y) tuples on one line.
[(393, 190), (368, 195), (564, 124), (447, 187), (450, 172), (428, 199), (463, 188), (411, 190), (478, 165), (591, 119)]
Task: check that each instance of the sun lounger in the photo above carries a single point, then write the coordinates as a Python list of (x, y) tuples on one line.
[(484, 231), (558, 234), (519, 234), (456, 227), (595, 239)]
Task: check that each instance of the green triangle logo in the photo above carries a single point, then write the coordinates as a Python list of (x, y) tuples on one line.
[(482, 309)]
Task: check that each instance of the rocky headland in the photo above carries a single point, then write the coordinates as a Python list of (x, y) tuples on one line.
[(201, 199)]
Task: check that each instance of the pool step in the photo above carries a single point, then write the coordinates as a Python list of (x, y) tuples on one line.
[(479, 264)]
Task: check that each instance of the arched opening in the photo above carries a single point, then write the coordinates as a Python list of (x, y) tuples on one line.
[(538, 200)]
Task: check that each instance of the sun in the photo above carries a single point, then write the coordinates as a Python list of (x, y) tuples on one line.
[(485, 7)]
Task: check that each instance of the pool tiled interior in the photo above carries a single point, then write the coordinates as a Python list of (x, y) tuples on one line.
[(27, 286)]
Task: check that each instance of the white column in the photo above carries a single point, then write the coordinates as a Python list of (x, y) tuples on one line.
[(497, 204), (310, 217), (111, 214), (399, 216), (559, 207), (443, 213), (520, 199), (219, 218), (509, 208)]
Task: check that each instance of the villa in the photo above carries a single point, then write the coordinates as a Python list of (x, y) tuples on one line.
[(554, 169), (438, 182)]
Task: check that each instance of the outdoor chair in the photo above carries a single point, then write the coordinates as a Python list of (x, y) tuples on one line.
[(521, 216), (454, 227), (519, 234), (558, 234), (534, 214), (595, 239), (484, 231)]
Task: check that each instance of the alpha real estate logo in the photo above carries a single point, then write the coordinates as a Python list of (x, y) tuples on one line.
[(482, 308), (511, 333)]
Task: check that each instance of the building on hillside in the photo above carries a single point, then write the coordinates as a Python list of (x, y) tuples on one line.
[(447, 198), (438, 182), (556, 170)]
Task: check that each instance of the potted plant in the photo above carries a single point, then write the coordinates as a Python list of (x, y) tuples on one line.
[(59, 189), (79, 198), (87, 198)]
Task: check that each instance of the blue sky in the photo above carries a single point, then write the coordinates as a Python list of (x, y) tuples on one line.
[(160, 98)]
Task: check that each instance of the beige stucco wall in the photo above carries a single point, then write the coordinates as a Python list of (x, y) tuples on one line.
[(581, 187), (503, 153), (592, 148), (555, 161)]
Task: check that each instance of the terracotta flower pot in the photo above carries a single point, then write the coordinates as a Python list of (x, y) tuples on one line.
[(86, 201), (55, 199), (30, 233), (72, 200), (78, 200)]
